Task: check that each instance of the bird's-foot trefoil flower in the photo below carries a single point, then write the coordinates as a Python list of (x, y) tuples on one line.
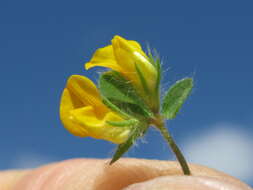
[(83, 113), (128, 58), (127, 101)]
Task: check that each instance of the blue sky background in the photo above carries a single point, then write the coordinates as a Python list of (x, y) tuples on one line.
[(44, 42)]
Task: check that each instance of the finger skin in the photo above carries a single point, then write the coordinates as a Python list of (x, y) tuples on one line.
[(9, 178), (186, 183), (95, 174)]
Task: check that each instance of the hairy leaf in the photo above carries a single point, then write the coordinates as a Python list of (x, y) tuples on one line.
[(175, 97), (119, 92), (137, 132)]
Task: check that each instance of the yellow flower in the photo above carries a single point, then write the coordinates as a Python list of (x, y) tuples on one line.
[(83, 113), (127, 57)]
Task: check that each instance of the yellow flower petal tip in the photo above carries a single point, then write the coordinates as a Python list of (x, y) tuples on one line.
[(83, 113), (103, 57), (87, 66), (129, 45)]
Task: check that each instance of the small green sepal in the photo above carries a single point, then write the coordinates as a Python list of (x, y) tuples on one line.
[(124, 123), (137, 131), (156, 62)]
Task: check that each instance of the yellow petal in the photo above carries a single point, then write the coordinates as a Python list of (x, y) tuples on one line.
[(130, 46), (135, 44), (68, 103), (85, 90), (98, 127), (103, 57), (129, 53)]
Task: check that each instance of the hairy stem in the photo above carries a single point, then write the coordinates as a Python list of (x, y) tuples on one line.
[(165, 133)]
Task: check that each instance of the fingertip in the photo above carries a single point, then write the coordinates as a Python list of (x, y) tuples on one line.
[(97, 174), (187, 183)]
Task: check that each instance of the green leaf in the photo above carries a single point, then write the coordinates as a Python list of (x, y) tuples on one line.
[(137, 132), (120, 93), (175, 97)]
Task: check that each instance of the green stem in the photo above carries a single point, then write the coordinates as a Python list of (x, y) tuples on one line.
[(165, 133)]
